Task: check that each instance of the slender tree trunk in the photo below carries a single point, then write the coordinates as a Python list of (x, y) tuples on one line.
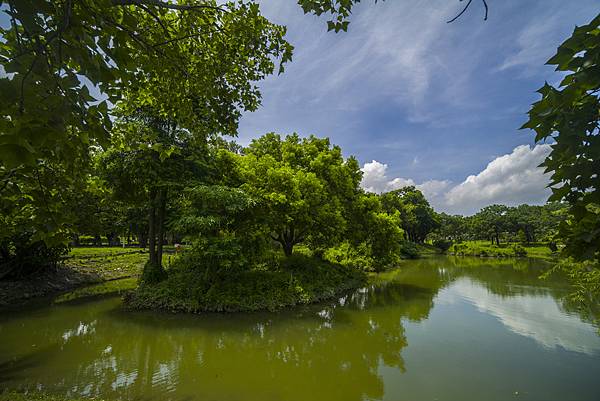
[(160, 224), (152, 228), (529, 234), (288, 248), (143, 239)]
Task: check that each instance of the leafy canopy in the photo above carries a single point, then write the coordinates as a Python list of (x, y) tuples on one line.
[(192, 63), (303, 184), (568, 116), (196, 62)]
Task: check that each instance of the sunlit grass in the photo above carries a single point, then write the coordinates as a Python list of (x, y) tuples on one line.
[(486, 248), (106, 288)]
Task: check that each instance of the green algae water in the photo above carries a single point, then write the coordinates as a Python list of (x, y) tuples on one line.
[(436, 329)]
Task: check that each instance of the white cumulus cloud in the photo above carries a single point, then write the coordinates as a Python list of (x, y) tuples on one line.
[(376, 180), (511, 179)]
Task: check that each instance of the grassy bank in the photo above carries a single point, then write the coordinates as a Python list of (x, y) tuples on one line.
[(35, 396), (118, 270), (85, 272), (297, 280), (486, 249), (108, 263)]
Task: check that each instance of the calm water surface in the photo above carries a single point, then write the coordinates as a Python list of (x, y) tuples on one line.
[(438, 329)]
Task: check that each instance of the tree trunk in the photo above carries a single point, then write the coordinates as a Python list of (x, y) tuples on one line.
[(113, 239), (143, 239), (152, 228), (160, 224), (529, 234), (288, 238), (288, 248), (153, 271)]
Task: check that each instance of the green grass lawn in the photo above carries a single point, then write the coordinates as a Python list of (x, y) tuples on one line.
[(112, 287), (485, 248), (108, 263), (85, 252), (117, 268), (35, 396)]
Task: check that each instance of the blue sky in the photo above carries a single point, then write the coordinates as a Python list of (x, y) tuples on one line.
[(431, 103)]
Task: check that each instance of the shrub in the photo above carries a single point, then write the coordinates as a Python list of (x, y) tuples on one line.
[(297, 280), (153, 273), (518, 250), (442, 244), (409, 250), (20, 256), (347, 255)]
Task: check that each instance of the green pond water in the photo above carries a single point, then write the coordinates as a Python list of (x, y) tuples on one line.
[(437, 329)]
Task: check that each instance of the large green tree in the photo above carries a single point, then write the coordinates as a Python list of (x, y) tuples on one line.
[(373, 233), (196, 63), (195, 60), (418, 217), (152, 159), (304, 186), (492, 221)]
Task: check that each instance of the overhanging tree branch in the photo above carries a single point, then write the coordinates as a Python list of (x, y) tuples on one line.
[(485, 5), (163, 4)]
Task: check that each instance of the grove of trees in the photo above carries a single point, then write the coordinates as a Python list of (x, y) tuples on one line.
[(498, 223)]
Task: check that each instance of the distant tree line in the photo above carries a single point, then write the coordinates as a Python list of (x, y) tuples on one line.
[(499, 223)]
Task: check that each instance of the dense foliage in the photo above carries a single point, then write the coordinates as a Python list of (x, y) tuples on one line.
[(304, 186), (568, 116), (195, 286), (195, 65), (418, 217), (498, 223)]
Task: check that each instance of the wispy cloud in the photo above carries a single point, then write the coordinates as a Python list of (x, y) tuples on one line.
[(402, 85)]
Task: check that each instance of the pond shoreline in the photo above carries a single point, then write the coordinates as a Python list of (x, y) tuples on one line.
[(49, 283), (78, 271)]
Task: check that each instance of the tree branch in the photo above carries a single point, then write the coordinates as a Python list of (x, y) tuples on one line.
[(22, 97), (486, 10), (462, 12), (7, 178), (163, 4), (157, 19)]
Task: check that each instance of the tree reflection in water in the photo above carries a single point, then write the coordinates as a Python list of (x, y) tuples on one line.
[(332, 351)]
